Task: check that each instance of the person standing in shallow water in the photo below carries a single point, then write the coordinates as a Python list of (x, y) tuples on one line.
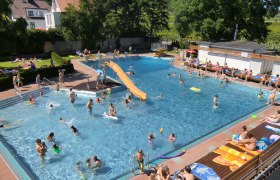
[(89, 106)]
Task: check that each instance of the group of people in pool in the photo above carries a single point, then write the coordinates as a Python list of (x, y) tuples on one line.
[(90, 165)]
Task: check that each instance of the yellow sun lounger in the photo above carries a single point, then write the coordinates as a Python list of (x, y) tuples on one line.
[(224, 150)]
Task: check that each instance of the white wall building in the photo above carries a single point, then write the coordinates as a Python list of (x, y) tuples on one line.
[(33, 11), (241, 55), (52, 19)]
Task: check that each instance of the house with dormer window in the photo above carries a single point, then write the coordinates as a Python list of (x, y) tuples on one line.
[(58, 6), (33, 11)]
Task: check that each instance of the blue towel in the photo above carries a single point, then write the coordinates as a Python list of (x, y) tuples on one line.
[(277, 130), (204, 172), (264, 143), (257, 77)]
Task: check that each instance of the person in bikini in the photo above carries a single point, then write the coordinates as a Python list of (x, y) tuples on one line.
[(250, 143)]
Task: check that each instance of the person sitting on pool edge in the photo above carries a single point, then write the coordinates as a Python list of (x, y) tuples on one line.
[(75, 130), (187, 173), (112, 110), (51, 137), (172, 138), (273, 118), (241, 136), (164, 173), (250, 143)]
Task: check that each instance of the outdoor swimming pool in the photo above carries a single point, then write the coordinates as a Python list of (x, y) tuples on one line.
[(186, 113)]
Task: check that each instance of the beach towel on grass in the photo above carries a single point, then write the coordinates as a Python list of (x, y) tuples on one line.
[(277, 130)]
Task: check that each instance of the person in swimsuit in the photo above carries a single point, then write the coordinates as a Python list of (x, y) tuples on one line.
[(140, 159), (75, 130), (40, 149), (164, 173), (103, 95), (187, 173), (273, 118), (98, 100), (97, 162), (38, 80), (151, 137), (72, 96), (250, 143), (238, 137), (215, 101), (272, 97), (89, 106), (31, 99), (260, 95), (112, 110), (172, 138), (51, 137)]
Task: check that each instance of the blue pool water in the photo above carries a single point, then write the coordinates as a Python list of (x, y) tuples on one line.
[(186, 113)]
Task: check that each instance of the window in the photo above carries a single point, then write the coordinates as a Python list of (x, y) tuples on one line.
[(30, 13), (40, 13), (32, 25)]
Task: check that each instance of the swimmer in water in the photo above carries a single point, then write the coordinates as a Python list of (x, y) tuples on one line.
[(97, 162), (103, 95), (88, 163), (168, 75), (215, 101), (260, 95), (172, 138), (75, 130), (98, 100), (160, 96), (151, 137), (112, 110), (89, 106), (31, 98), (182, 81), (51, 137), (72, 96), (56, 149), (61, 120), (51, 107)]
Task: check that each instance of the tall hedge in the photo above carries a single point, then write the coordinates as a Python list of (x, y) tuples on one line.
[(58, 60), (29, 76)]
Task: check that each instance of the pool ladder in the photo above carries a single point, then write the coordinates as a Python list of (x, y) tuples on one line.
[(22, 97)]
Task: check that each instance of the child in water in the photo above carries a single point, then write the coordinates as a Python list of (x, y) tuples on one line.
[(56, 149), (260, 95)]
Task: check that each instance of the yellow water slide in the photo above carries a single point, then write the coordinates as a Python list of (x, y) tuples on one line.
[(126, 80)]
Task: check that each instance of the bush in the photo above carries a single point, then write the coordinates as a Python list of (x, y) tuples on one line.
[(57, 58), (29, 76)]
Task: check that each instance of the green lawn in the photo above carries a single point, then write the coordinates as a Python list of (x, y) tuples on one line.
[(39, 62)]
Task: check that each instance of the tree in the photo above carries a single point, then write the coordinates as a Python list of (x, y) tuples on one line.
[(217, 19)]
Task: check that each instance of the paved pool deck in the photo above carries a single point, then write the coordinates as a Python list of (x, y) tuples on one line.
[(192, 154)]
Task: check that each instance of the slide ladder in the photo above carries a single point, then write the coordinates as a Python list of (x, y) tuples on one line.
[(125, 79)]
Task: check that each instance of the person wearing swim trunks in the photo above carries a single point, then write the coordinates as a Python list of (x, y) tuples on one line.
[(89, 106), (72, 96), (215, 101), (112, 110), (140, 159), (172, 138), (41, 149)]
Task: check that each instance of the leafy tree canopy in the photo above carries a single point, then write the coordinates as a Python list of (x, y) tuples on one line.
[(98, 19), (217, 19)]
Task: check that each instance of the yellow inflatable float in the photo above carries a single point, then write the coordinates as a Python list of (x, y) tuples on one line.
[(195, 89)]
